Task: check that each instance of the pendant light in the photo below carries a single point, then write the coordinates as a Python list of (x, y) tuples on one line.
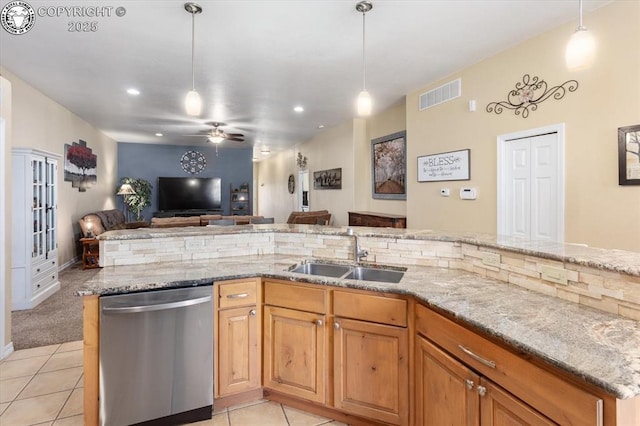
[(192, 102), (364, 98), (581, 49)]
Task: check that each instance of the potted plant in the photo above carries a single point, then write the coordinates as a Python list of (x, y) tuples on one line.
[(142, 197)]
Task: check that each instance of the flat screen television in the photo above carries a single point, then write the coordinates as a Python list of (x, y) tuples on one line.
[(187, 193)]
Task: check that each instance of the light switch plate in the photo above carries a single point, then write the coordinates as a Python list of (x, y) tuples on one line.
[(491, 259), (555, 275)]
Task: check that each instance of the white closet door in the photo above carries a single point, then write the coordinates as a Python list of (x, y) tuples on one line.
[(519, 188)]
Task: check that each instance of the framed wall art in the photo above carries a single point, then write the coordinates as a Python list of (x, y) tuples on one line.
[(454, 165), (328, 179), (389, 167), (80, 165), (629, 155)]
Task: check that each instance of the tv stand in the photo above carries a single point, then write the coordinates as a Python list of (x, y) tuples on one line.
[(185, 213)]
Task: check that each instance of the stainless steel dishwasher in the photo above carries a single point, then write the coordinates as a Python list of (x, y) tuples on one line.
[(156, 357)]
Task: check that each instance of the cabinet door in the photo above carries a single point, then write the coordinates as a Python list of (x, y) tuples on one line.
[(238, 356), (371, 370), (446, 391), (500, 408), (294, 353)]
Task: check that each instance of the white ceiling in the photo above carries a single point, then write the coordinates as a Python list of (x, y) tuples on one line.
[(256, 59)]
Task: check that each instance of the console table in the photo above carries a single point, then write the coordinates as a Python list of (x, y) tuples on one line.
[(379, 220)]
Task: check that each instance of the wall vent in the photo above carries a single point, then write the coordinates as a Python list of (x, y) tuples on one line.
[(441, 94)]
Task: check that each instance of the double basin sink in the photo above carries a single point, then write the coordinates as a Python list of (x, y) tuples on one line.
[(366, 273)]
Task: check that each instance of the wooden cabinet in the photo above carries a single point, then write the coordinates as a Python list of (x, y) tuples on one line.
[(34, 247), (485, 379), (295, 356), (371, 356), (238, 340), (380, 220)]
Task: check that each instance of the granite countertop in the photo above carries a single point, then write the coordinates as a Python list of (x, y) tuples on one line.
[(604, 259), (601, 348)]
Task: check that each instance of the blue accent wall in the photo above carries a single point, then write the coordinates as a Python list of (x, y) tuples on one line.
[(148, 161)]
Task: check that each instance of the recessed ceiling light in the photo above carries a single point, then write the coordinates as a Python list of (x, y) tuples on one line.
[(320, 126), (133, 91), (265, 151), (254, 159), (298, 108), (159, 134)]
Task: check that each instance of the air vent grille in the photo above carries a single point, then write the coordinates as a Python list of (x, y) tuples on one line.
[(441, 94)]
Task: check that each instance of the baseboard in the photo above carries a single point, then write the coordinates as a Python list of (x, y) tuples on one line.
[(69, 263), (7, 350)]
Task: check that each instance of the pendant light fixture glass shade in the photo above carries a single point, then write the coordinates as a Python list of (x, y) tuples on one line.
[(192, 102), (581, 49), (364, 101)]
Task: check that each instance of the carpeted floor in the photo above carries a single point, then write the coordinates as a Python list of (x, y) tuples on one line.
[(56, 320)]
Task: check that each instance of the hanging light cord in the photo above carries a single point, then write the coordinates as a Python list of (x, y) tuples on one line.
[(580, 26), (193, 49), (364, 64)]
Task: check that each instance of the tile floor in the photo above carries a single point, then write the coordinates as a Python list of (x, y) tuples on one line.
[(43, 386)]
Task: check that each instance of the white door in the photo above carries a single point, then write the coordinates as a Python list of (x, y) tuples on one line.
[(531, 186)]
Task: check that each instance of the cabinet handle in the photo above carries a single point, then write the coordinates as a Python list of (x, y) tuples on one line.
[(318, 322), (237, 296), (477, 357), (482, 390), (336, 325), (252, 312), (470, 384)]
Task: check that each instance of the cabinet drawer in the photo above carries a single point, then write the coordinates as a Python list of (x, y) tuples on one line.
[(43, 269), (239, 293), (371, 308), (295, 297), (554, 397), (45, 281)]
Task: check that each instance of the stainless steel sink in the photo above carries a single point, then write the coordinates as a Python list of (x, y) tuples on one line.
[(324, 269), (374, 274), (349, 272)]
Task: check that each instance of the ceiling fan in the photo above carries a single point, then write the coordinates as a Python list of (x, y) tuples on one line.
[(217, 135)]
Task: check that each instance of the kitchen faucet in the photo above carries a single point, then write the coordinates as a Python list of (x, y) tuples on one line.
[(358, 253)]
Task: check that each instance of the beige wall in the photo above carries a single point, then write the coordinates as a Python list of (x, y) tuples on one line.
[(331, 148), (392, 120), (39, 122), (598, 211), (5, 116)]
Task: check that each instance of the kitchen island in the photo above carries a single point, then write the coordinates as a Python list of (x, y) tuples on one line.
[(520, 294)]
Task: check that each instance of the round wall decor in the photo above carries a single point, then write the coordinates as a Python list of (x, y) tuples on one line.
[(193, 162), (291, 184)]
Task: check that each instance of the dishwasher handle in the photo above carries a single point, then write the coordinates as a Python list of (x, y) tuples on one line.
[(156, 307)]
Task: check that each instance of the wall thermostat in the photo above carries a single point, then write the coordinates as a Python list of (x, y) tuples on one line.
[(468, 193)]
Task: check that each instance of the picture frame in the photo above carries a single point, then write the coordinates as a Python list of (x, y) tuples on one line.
[(80, 165), (629, 155), (389, 167), (445, 166), (328, 179)]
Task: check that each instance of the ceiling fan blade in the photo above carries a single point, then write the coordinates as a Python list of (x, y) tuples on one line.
[(234, 135), (235, 139)]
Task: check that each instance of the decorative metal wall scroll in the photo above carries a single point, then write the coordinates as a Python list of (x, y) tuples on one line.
[(529, 93)]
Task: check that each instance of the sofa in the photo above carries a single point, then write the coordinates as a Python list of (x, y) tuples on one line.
[(202, 220), (317, 217), (107, 220)]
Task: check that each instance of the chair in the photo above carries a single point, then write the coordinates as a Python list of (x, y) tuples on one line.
[(222, 222), (259, 220)]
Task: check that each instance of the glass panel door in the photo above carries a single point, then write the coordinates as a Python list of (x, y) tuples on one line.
[(39, 206), (51, 207)]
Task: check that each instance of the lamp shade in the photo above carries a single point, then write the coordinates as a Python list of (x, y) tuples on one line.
[(364, 103), (215, 139), (193, 103), (581, 50), (126, 189)]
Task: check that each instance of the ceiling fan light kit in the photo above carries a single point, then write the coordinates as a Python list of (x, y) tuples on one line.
[(364, 102), (193, 103), (581, 48)]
